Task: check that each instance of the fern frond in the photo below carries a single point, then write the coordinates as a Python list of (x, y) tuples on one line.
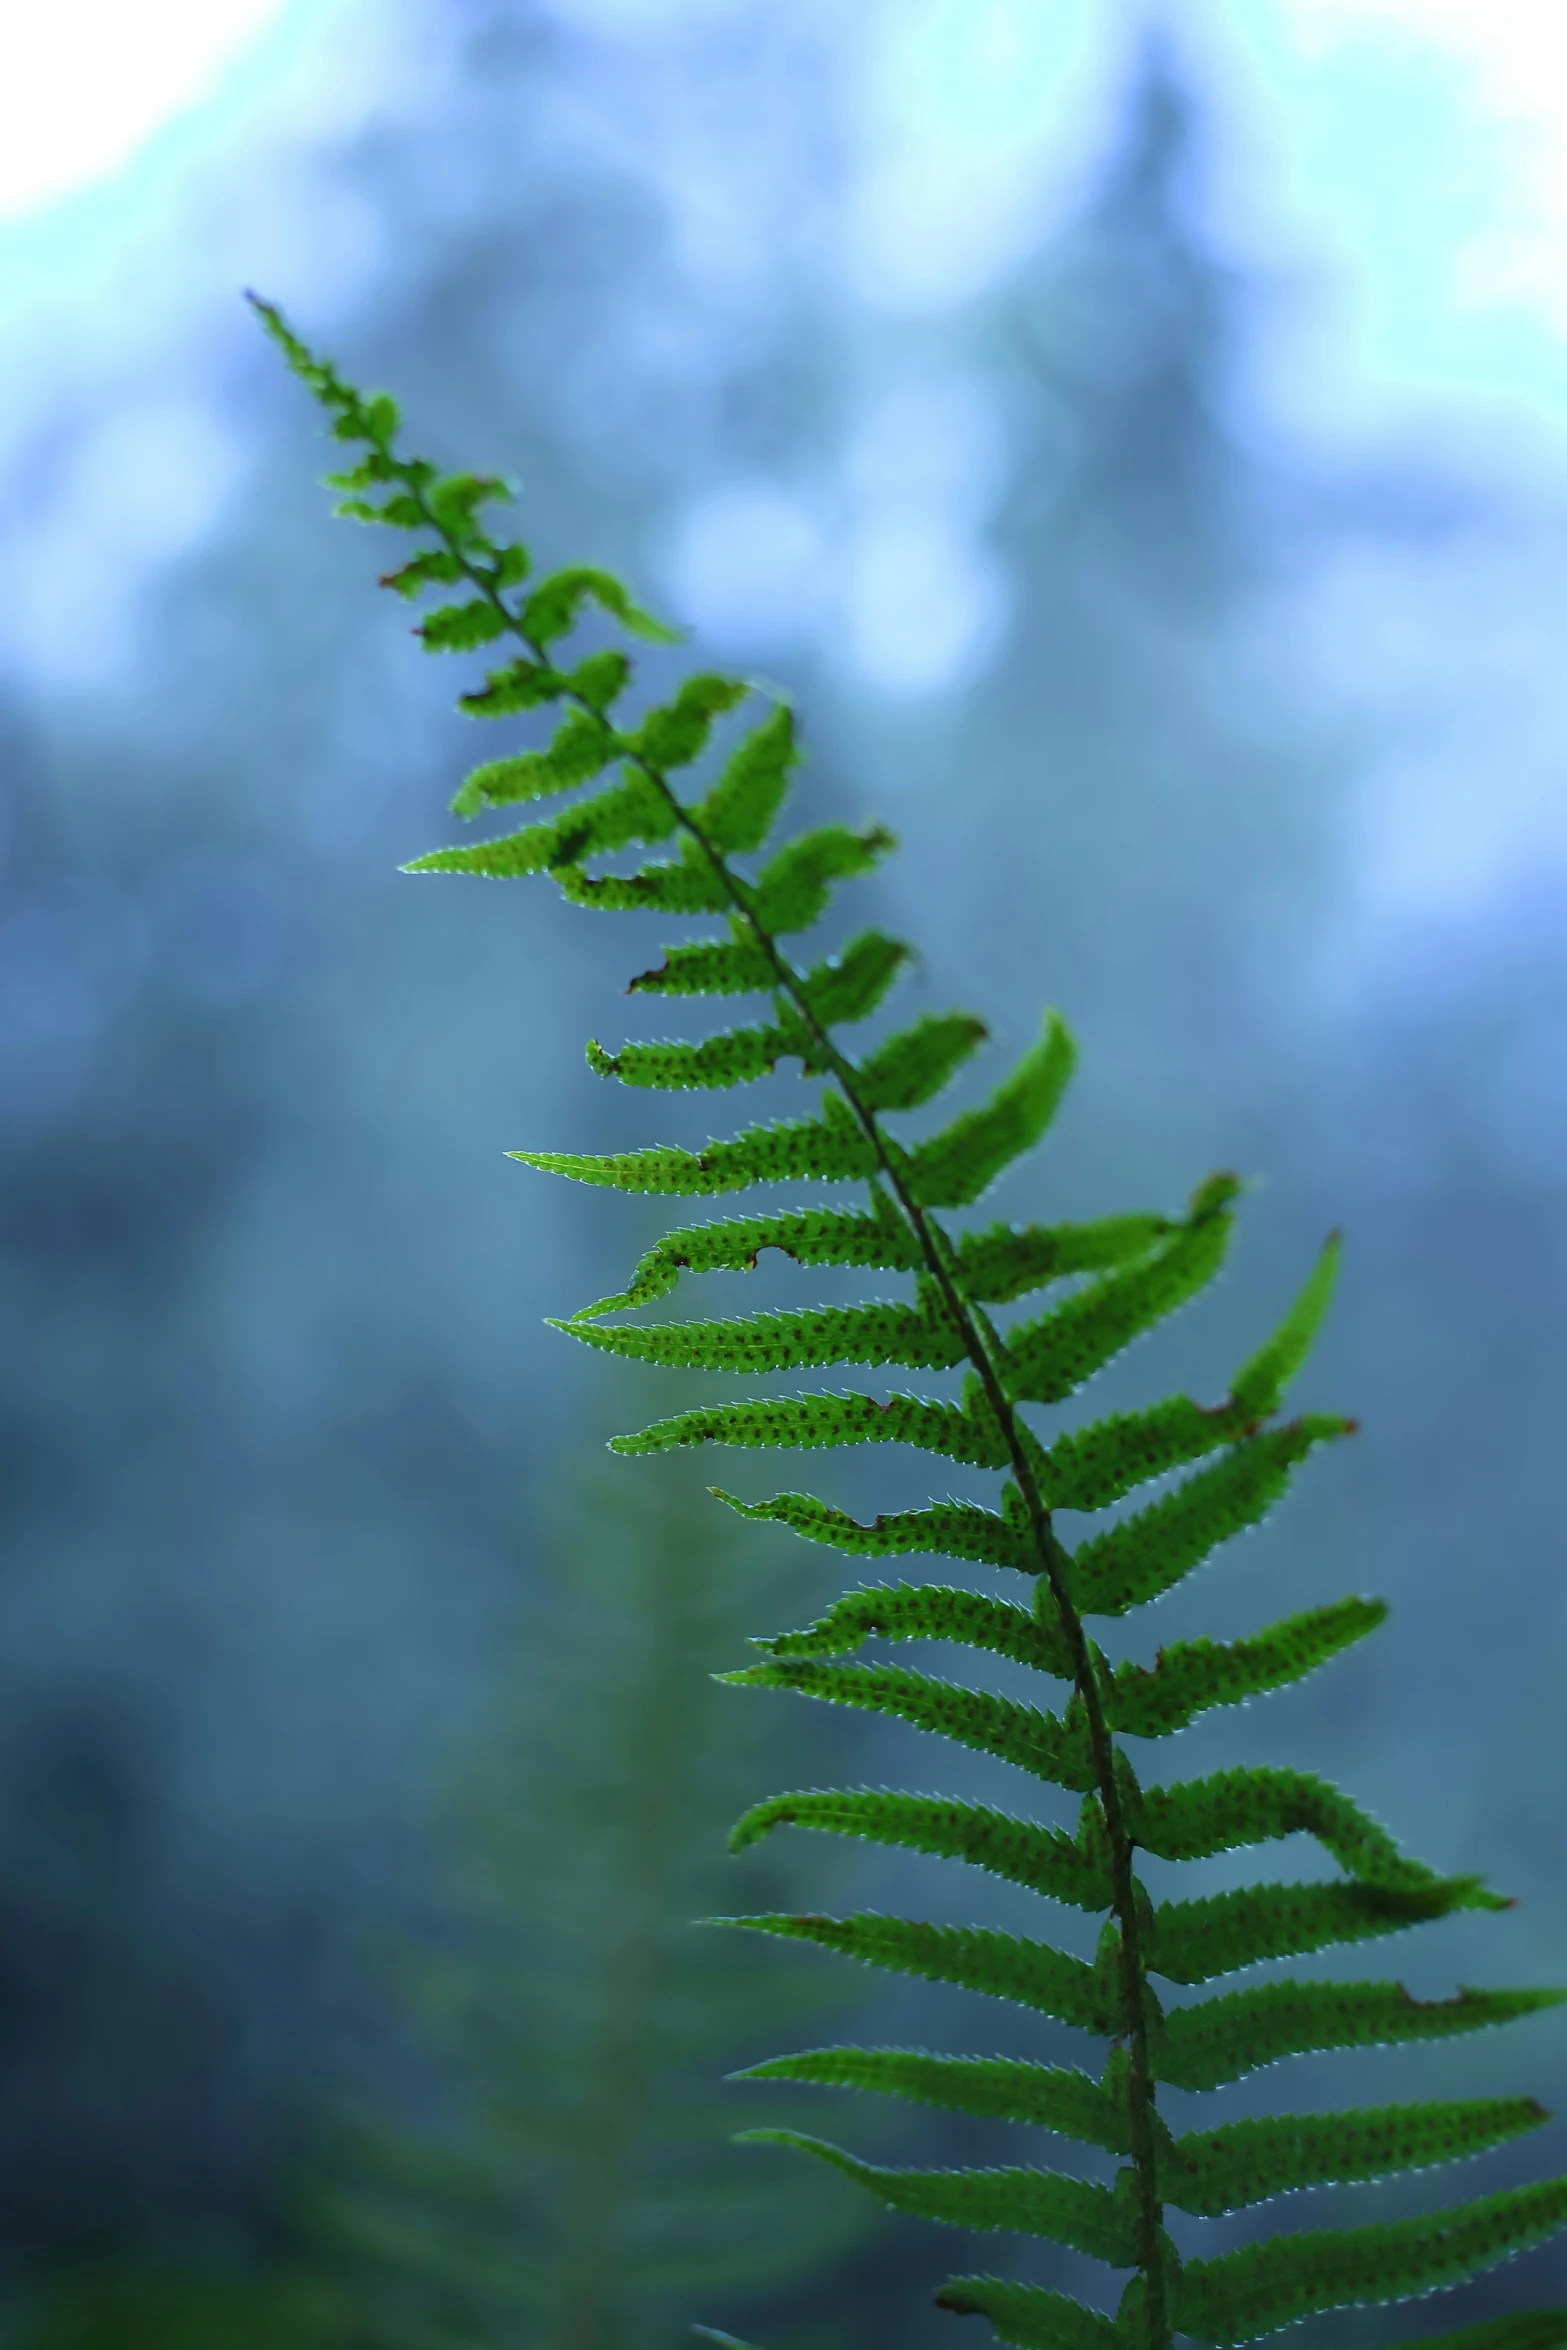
[(1216, 2041), (1039, 1743), (842, 989), (999, 1264), (1030, 2316), (718, 967), (1133, 1270), (1089, 1468), (1074, 2212), (680, 885), (629, 812), (827, 1149), (1193, 1676), (812, 1236), (1095, 1466), (1258, 1385), (1193, 1941), (1201, 1817), (1000, 1966), (581, 750), (799, 1423), (738, 813), (1243, 2295), (992, 2088), (554, 606), (1049, 1359), (918, 1062), (931, 1611), (1148, 1554), (1043, 1859), (795, 888), (736, 1056), (1210, 2172), (952, 1529), (918, 1337), (964, 1159)]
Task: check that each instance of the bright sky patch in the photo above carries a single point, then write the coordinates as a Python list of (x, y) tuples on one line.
[(87, 82)]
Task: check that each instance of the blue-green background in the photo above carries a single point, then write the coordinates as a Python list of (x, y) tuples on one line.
[(1243, 745)]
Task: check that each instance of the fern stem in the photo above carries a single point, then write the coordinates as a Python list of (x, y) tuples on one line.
[(981, 1344)]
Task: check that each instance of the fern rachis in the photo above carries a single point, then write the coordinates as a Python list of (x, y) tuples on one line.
[(1131, 1271)]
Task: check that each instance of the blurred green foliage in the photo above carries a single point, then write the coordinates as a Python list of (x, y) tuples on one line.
[(146, 2307), (575, 2187)]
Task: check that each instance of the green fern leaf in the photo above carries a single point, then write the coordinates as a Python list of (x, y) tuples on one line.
[(782, 1342), (848, 987), (1006, 2089), (552, 609), (916, 1063), (737, 814), (689, 885), (1039, 1743), (999, 1264), (377, 467), (964, 1159), (931, 1611), (1216, 2041), (601, 679), (718, 967), (830, 1148), (677, 732), (521, 685), (736, 1056), (1027, 2202), (843, 988), (400, 513), (801, 1423), (1201, 1817), (1047, 1360), (951, 1529), (1000, 1966), (453, 502), (1150, 1553), (1094, 1466), (632, 811), (812, 1236), (460, 628), (1044, 1859), (1210, 2172), (1257, 1387), (1030, 2317), (1194, 1941), (1263, 2286), (437, 567), (1194, 1675), (583, 745), (796, 884)]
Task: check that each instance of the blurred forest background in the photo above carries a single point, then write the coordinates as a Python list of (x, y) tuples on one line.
[(358, 1769)]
